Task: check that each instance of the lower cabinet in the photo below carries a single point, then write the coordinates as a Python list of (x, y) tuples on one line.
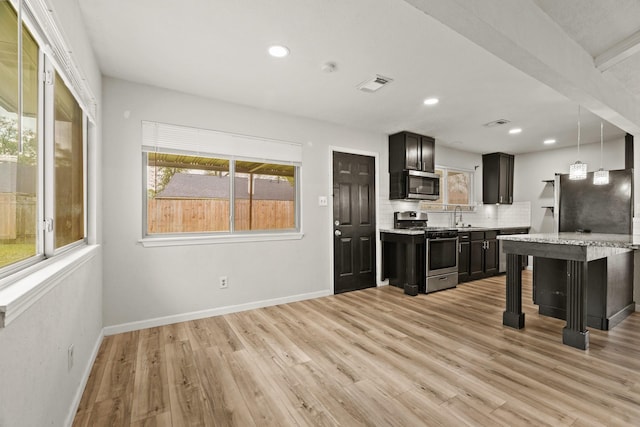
[(478, 255)]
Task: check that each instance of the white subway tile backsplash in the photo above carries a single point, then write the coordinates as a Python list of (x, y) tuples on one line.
[(517, 214)]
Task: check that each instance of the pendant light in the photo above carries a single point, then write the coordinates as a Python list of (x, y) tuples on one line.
[(601, 176), (578, 170)]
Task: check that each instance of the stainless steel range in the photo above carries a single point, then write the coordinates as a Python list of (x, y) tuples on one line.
[(441, 250)]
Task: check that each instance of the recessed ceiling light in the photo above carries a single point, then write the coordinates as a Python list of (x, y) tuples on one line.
[(278, 51), (549, 141), (515, 131), (431, 101)]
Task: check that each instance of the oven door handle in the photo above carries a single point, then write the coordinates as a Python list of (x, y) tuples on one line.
[(439, 239)]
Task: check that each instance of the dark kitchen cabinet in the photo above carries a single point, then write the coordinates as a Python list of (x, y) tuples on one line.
[(411, 151), (476, 255), (480, 253), (403, 259), (464, 248), (491, 255), (609, 289), (483, 254), (497, 178)]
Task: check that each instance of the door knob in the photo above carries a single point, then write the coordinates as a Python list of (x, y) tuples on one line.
[(338, 233)]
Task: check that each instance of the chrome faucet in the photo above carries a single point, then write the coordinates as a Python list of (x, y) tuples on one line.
[(455, 220)]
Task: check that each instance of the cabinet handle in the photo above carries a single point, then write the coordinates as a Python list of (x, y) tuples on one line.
[(500, 199), (459, 247)]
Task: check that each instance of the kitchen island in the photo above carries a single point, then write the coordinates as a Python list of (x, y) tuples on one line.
[(402, 255), (577, 249)]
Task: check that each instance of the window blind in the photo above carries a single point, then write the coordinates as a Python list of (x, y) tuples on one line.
[(163, 137)]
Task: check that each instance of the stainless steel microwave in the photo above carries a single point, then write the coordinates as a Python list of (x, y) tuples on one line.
[(414, 185)]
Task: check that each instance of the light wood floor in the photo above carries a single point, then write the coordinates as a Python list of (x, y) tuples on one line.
[(373, 357)]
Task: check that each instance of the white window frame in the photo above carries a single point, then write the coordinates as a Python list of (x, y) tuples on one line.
[(443, 204), (45, 210), (175, 139), (23, 283)]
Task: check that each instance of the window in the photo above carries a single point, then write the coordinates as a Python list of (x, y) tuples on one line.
[(18, 162), (264, 196), (205, 182), (42, 161), (187, 194), (69, 167), (456, 189)]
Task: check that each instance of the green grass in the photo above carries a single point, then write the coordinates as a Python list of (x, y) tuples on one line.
[(13, 252)]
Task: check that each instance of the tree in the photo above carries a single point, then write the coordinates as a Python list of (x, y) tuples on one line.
[(9, 142), (162, 177)]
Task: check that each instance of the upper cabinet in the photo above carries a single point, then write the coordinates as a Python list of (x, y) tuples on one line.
[(497, 178), (410, 151)]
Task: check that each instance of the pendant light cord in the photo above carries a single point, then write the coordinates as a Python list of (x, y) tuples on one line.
[(578, 132), (601, 144)]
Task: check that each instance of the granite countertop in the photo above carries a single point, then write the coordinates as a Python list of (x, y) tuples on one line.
[(463, 229), (625, 241), (402, 231), (460, 229)]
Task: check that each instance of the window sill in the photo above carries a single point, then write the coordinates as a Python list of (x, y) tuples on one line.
[(21, 290), (152, 242)]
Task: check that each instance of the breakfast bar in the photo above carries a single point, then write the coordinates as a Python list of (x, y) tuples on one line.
[(577, 249)]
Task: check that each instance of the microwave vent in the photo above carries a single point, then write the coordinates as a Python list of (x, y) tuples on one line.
[(375, 83)]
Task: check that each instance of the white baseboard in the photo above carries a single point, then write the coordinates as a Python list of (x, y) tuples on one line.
[(83, 381), (167, 320)]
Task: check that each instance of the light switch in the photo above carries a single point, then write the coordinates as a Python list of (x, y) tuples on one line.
[(322, 201)]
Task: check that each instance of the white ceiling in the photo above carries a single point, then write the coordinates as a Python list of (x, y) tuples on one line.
[(218, 49)]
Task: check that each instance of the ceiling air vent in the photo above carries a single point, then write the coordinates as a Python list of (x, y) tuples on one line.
[(374, 83), (495, 123)]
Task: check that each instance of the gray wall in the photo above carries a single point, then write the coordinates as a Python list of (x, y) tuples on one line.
[(146, 283), (37, 388)]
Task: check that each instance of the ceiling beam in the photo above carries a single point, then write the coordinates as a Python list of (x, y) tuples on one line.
[(619, 52), (524, 36)]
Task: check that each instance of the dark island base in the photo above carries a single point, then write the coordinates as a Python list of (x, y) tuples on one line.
[(595, 322), (609, 289), (513, 320), (576, 339)]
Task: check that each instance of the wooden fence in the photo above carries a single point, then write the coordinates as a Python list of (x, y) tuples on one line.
[(17, 217), (206, 215)]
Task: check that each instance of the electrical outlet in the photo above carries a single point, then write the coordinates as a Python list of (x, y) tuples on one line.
[(70, 357), (224, 282)]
